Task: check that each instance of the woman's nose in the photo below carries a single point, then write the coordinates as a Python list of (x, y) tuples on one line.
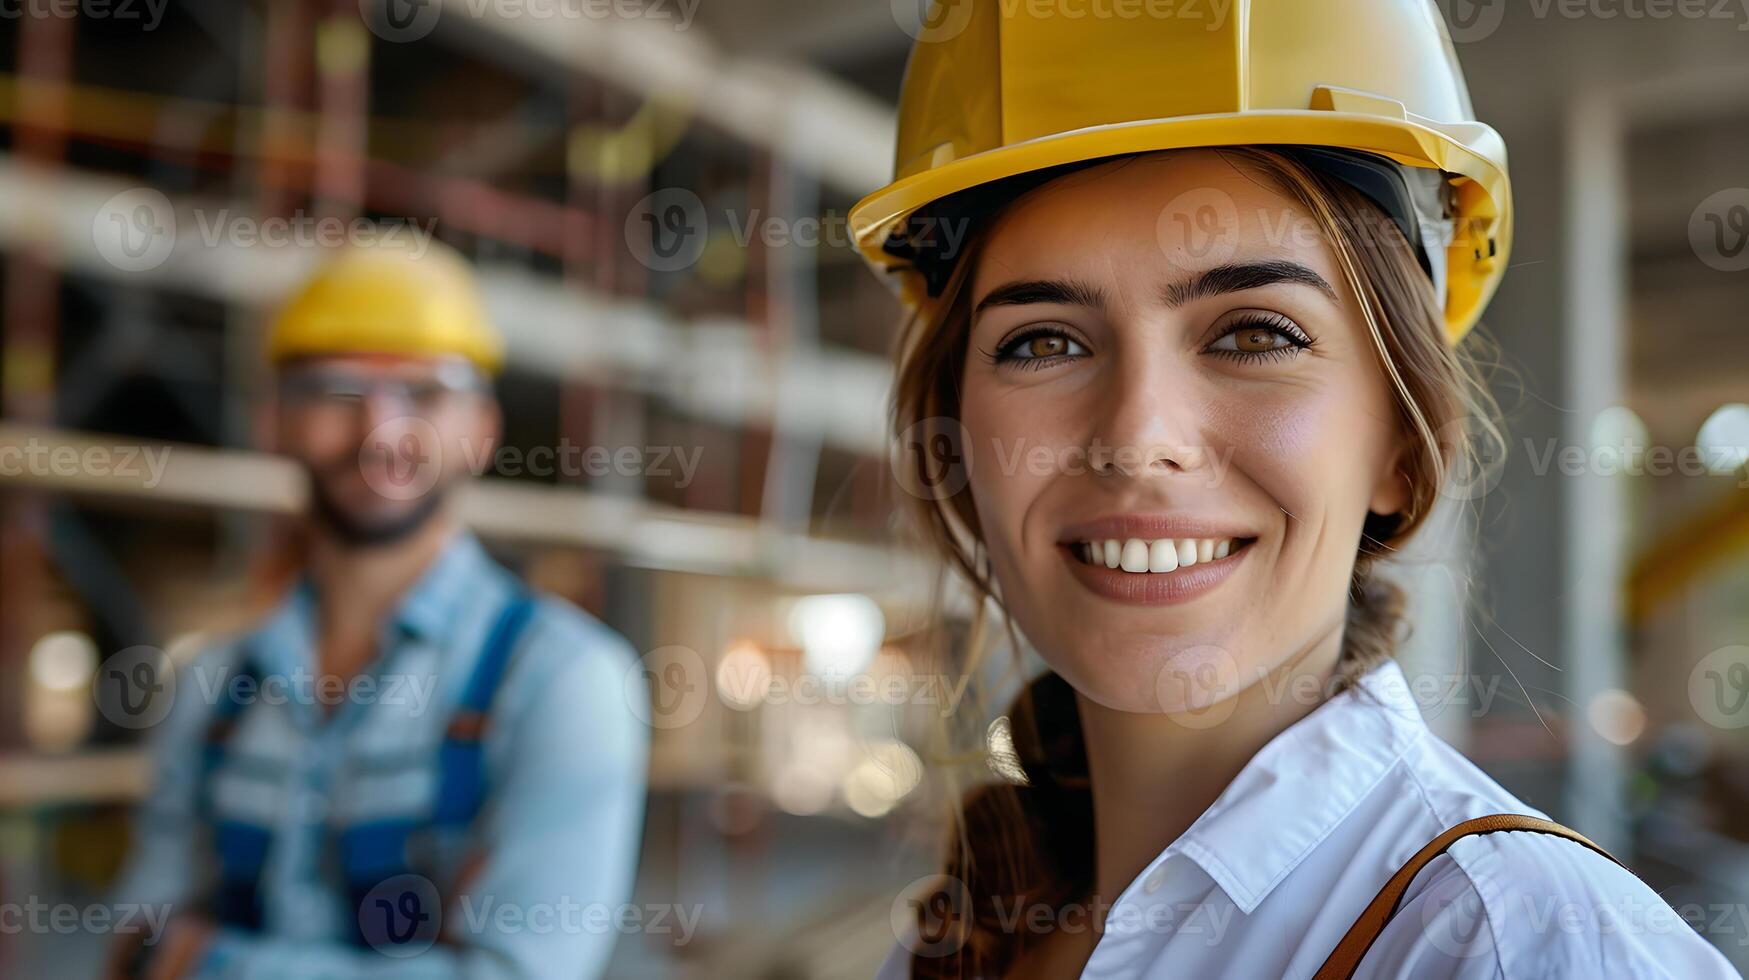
[(1150, 424)]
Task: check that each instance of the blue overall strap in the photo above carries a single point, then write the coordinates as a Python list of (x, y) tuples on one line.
[(241, 846), (461, 760), (373, 853)]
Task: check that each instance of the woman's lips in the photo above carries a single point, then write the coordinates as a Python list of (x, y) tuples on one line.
[(1172, 579)]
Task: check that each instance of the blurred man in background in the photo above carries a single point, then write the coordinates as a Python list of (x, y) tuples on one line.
[(413, 761)]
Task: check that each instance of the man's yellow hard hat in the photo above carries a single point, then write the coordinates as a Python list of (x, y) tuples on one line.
[(1001, 88), (415, 299)]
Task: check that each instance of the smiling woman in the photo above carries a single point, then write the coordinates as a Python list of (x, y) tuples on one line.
[(1084, 331), (1245, 323)]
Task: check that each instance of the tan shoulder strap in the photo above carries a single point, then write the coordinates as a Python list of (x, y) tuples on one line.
[(1353, 947)]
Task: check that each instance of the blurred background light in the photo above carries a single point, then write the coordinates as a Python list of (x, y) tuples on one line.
[(1620, 428), (743, 676), (887, 774), (1617, 715), (1724, 438), (839, 634), (64, 660)]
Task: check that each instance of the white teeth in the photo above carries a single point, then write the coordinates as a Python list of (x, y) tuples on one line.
[(1162, 555), (1135, 555)]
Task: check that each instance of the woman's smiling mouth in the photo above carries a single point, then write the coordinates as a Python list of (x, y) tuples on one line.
[(1158, 555), (1150, 560)]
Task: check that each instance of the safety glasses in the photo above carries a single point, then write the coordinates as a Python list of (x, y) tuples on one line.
[(322, 386)]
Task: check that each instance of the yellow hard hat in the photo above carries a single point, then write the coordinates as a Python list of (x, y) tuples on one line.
[(414, 299), (1000, 88)]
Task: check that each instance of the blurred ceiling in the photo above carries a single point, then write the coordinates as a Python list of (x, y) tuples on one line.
[(858, 40)]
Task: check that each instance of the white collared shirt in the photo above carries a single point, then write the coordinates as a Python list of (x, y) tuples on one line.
[(1273, 874)]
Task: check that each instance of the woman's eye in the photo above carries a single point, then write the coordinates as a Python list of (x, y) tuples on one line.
[(1039, 347), (1262, 338)]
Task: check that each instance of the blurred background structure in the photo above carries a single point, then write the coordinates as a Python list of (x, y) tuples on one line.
[(655, 192)]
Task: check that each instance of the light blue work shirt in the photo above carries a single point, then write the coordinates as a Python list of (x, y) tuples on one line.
[(565, 760)]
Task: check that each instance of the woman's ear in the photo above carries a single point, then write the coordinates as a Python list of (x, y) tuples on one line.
[(1392, 494)]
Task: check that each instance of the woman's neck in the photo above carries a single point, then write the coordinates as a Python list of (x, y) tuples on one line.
[(1154, 774)]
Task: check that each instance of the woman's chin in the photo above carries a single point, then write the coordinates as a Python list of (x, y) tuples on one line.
[(1153, 674)]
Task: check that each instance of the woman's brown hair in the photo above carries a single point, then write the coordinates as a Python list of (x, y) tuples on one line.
[(1027, 841)]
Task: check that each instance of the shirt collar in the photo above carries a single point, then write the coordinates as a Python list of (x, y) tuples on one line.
[(1301, 785), (424, 613), (427, 608)]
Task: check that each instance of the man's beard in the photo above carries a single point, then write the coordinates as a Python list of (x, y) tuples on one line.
[(368, 533)]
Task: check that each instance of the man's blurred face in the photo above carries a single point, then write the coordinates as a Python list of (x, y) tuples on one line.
[(384, 438)]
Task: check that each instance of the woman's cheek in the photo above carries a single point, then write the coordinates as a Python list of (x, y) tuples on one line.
[(1016, 468), (998, 494), (1298, 445)]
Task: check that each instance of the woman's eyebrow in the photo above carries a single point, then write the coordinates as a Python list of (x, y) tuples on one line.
[(1238, 276), (1067, 292)]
